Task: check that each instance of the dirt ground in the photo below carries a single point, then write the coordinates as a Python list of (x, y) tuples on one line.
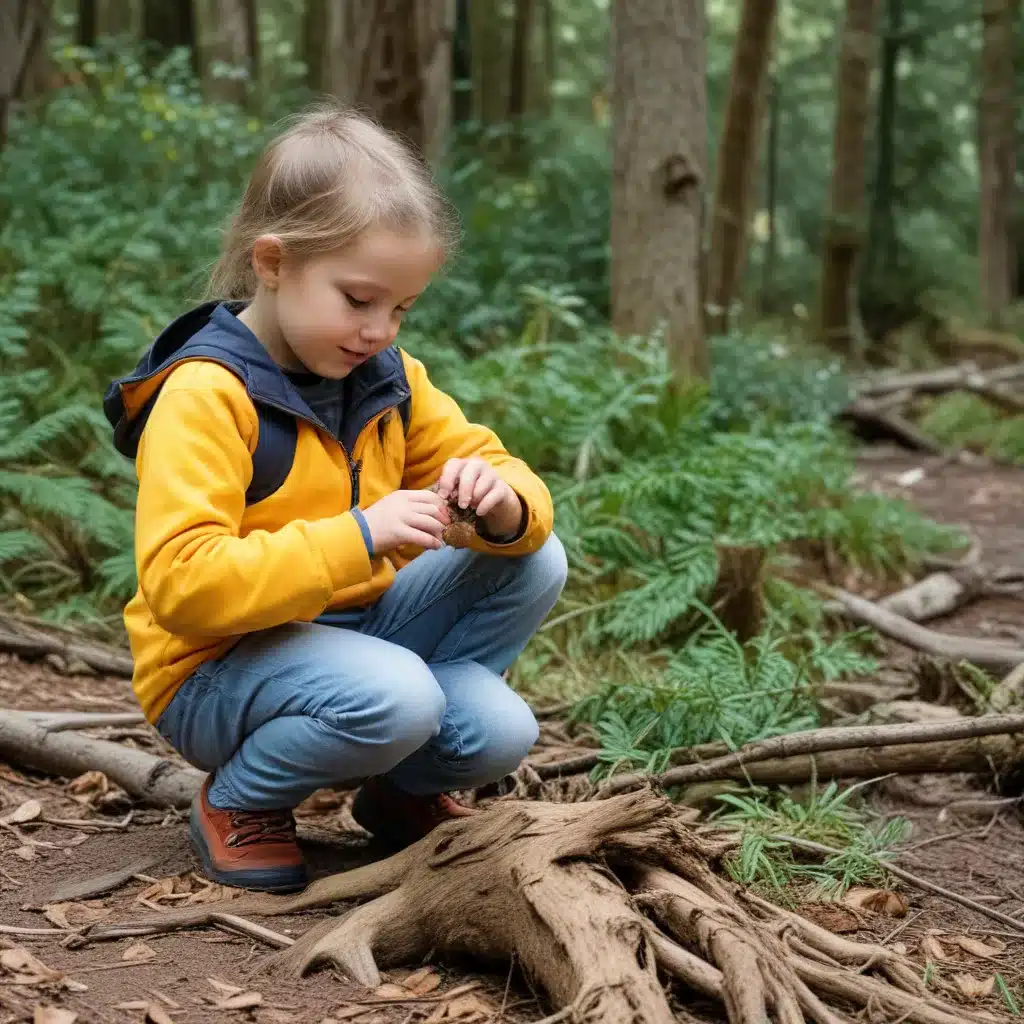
[(966, 838)]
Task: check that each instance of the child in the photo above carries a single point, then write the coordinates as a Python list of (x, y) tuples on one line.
[(299, 621)]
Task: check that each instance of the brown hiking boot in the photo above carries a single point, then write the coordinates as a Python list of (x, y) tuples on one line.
[(248, 849), (399, 819)]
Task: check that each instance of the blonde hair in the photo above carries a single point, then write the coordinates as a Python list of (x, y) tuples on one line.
[(331, 175)]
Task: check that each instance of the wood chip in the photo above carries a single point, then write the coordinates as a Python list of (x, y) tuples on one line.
[(975, 988), (156, 1014), (75, 915), (422, 981), (978, 948), (932, 948), (139, 953), (28, 811), (880, 901), (26, 968), (244, 1001), (224, 988), (52, 1015), (25, 853)]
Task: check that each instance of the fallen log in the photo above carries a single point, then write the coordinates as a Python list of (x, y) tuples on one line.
[(590, 900), (993, 655), (891, 424), (938, 594), (37, 640), (60, 721), (153, 780), (948, 378), (852, 739)]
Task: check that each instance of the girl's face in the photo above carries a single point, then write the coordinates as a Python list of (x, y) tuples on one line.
[(332, 312)]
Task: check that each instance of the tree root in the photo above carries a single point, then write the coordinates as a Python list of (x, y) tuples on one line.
[(594, 900)]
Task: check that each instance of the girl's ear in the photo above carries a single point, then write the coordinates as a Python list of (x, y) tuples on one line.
[(267, 253)]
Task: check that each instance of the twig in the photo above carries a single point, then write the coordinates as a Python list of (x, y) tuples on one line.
[(906, 876), (13, 929), (215, 918), (819, 740), (987, 654), (103, 883)]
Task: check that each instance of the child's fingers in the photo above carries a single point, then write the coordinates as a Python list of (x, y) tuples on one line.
[(424, 540), (491, 499), (426, 523), (467, 481), (449, 477), (485, 483)]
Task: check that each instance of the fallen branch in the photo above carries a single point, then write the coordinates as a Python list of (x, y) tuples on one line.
[(215, 918), (108, 881), (948, 378), (572, 892), (993, 655), (891, 424), (916, 880), (988, 754), (61, 721), (936, 595), (153, 780), (816, 741), (35, 641)]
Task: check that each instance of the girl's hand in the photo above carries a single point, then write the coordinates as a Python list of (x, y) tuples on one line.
[(474, 483), (407, 517)]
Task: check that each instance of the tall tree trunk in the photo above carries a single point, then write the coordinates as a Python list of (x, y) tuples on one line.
[(996, 141), (737, 159), (462, 64), (23, 26), (391, 57), (228, 36), (766, 300), (168, 24), (490, 57), (844, 229), (659, 107), (880, 259), (100, 18)]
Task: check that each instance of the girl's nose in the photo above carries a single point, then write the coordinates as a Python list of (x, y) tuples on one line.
[(376, 329)]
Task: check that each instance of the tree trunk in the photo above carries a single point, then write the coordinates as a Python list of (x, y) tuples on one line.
[(520, 69), (462, 65), (490, 60), (996, 142), (23, 25), (737, 159), (168, 24), (659, 160), (98, 19), (880, 259), (227, 31), (844, 230), (365, 54), (766, 301)]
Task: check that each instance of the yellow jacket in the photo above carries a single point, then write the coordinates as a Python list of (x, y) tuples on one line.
[(218, 558)]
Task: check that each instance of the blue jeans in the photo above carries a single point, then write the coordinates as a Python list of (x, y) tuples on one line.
[(409, 688)]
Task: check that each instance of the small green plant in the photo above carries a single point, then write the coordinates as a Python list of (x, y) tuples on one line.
[(1008, 996), (828, 817)]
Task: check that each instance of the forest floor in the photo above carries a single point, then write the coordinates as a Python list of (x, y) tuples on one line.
[(963, 838)]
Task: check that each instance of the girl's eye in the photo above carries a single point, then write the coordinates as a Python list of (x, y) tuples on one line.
[(357, 303)]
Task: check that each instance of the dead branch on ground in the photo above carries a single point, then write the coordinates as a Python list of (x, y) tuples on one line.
[(36, 640), (592, 900)]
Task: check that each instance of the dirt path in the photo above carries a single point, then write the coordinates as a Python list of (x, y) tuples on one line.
[(976, 848)]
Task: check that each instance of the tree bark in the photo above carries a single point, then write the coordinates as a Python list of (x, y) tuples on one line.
[(844, 230), (490, 60), (737, 160), (880, 258), (168, 24), (766, 300), (98, 19), (659, 160), (996, 143), (228, 36), (390, 57), (23, 25)]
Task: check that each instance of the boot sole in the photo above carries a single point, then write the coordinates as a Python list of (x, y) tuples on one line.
[(260, 879)]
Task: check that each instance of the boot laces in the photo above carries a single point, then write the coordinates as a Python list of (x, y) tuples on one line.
[(261, 827)]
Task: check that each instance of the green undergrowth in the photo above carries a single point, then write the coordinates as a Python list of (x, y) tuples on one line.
[(832, 816), (964, 420)]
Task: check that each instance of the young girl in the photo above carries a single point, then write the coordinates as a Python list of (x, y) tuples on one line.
[(299, 621)]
